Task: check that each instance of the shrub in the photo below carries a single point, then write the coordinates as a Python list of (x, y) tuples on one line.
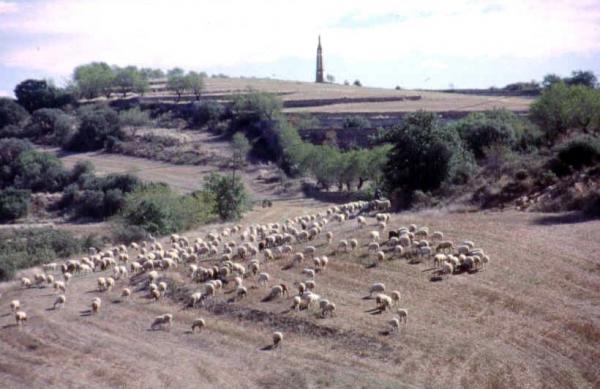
[(484, 129), (98, 125), (10, 150), (157, 209), (227, 194), (134, 117), (11, 113), (50, 125), (128, 233), (206, 112), (21, 249), (14, 204), (356, 122), (40, 172), (591, 205), (580, 152)]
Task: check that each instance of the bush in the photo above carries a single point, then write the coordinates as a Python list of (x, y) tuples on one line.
[(11, 113), (134, 117), (580, 152), (228, 196), (127, 234), (98, 125), (157, 209), (40, 172), (51, 126), (206, 112), (14, 204), (591, 205), (356, 122), (422, 154), (480, 130), (20, 249), (10, 150)]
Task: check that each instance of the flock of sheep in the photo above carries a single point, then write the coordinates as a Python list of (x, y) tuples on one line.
[(233, 257)]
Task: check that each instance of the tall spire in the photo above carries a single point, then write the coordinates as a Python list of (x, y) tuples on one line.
[(319, 77)]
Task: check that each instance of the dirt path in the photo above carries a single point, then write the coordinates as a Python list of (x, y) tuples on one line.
[(530, 319)]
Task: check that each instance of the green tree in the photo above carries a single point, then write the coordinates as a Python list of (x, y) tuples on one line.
[(228, 196), (195, 82), (36, 94), (241, 148), (51, 126), (40, 172), (97, 125), (330, 78), (94, 79), (177, 81), (357, 83), (10, 150), (421, 155), (14, 204), (550, 79), (580, 77), (130, 79)]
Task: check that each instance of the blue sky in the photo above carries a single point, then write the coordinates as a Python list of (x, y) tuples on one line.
[(384, 43)]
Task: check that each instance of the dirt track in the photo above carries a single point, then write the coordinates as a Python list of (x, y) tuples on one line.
[(531, 319)]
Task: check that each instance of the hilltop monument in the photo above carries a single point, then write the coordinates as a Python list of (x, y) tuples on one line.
[(319, 62)]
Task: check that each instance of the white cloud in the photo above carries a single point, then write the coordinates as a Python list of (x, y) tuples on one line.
[(202, 34), (7, 7)]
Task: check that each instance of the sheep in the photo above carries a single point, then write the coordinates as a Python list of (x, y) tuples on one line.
[(309, 272), (125, 293), (276, 291), (155, 294), (15, 305), (380, 256), (60, 286), (101, 284), (439, 259), (342, 246), (20, 317), (383, 301), (373, 246), (199, 324), (353, 244), (377, 287), (50, 279), (310, 284), (395, 295), (324, 262), (444, 246), (263, 279), (374, 236), (241, 292), (153, 276), (398, 250), (402, 314), (447, 268), (361, 221), (162, 287), (277, 338), (60, 301), (96, 304), (162, 320), (437, 235), (395, 324), (25, 282), (296, 303), (297, 258), (327, 307), (310, 251), (329, 237), (39, 279), (48, 267), (382, 226), (110, 283)]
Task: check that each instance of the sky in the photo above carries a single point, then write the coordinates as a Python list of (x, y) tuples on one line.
[(383, 43)]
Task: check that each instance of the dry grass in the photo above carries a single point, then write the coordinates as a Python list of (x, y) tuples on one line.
[(518, 323)]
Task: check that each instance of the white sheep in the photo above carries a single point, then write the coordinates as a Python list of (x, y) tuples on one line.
[(161, 321), (15, 305), (374, 236), (296, 302), (353, 244), (327, 307), (263, 279), (60, 286), (20, 317), (395, 324), (380, 256), (402, 314), (329, 237), (377, 287), (25, 282), (361, 221), (125, 293), (96, 304), (60, 301), (383, 301), (277, 338), (241, 292), (309, 272), (395, 295), (198, 324)]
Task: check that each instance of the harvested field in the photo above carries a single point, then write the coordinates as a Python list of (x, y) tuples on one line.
[(336, 98), (531, 318)]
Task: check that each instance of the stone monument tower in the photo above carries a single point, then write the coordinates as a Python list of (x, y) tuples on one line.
[(319, 62)]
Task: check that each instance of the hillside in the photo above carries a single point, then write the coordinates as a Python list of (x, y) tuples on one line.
[(336, 98), (529, 319)]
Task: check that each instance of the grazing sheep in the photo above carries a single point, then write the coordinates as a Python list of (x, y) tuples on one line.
[(162, 287), (444, 246), (110, 283), (96, 304), (395, 295), (402, 314), (15, 305), (439, 259), (161, 321), (126, 293), (48, 267), (310, 251), (329, 237), (60, 286), (276, 291), (310, 284), (20, 317), (437, 235), (447, 269), (25, 282), (380, 256), (39, 279), (263, 279), (101, 284), (361, 221), (309, 272), (327, 307), (277, 338), (373, 246), (395, 324), (382, 226), (155, 294), (60, 301), (296, 303), (50, 279), (342, 246), (297, 258), (353, 244), (377, 287), (153, 276), (383, 301), (374, 236), (199, 324), (398, 250), (241, 292)]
